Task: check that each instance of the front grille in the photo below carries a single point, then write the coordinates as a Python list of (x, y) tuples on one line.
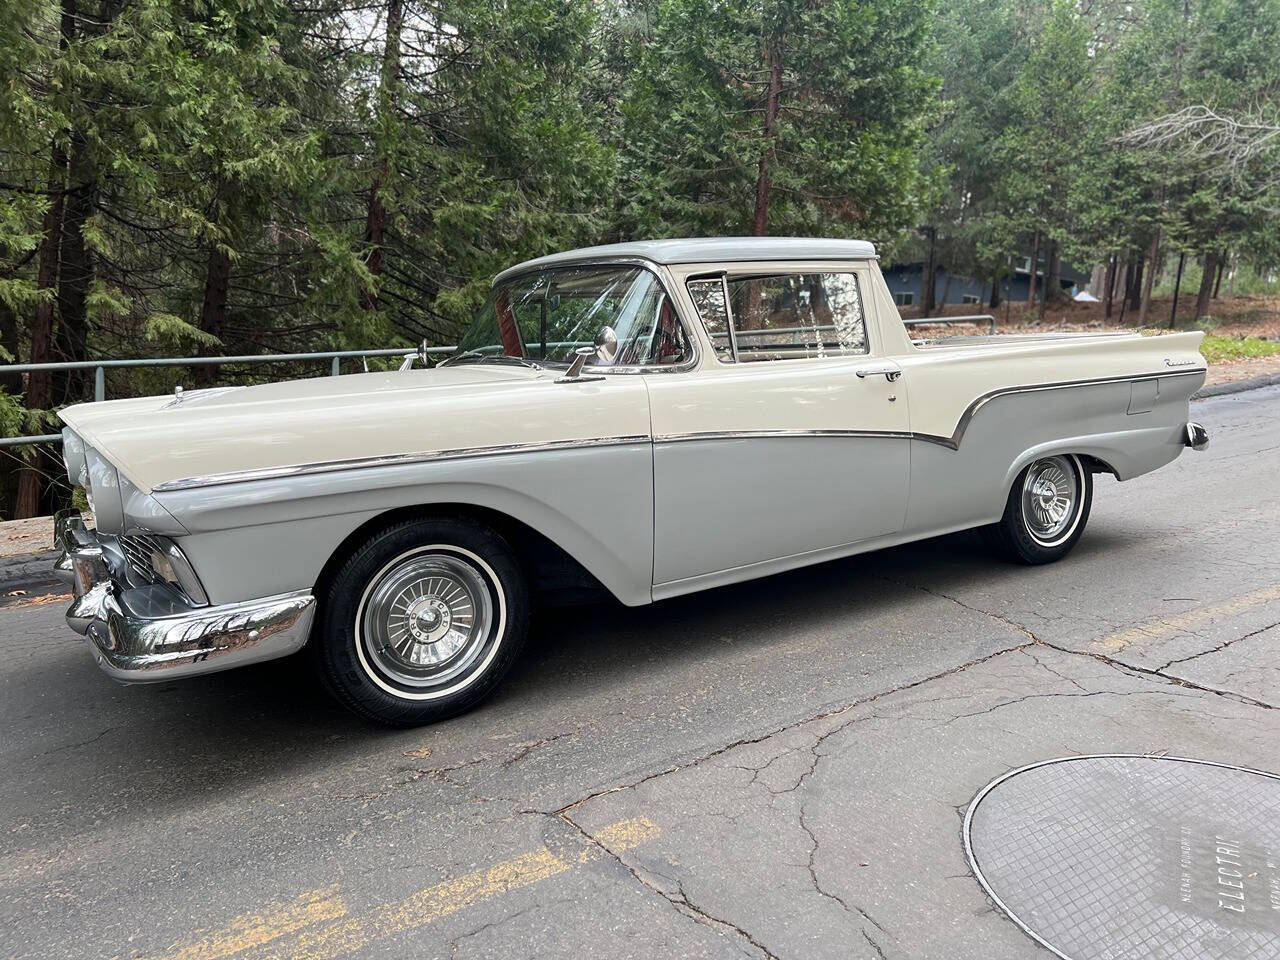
[(137, 549)]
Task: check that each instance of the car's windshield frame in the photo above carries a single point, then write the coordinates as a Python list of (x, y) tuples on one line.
[(688, 330)]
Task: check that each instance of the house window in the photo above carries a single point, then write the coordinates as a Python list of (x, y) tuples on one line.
[(970, 298), (904, 299)]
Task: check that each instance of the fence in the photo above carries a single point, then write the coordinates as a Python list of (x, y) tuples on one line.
[(335, 358)]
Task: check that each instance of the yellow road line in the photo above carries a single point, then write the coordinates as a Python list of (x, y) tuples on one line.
[(346, 935), (255, 930), (1170, 626)]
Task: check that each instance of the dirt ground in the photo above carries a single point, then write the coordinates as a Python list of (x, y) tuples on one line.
[(1254, 316)]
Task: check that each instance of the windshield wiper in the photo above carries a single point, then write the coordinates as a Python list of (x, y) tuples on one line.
[(475, 356)]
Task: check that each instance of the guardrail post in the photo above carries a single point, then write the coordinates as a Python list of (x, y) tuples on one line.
[(992, 329), (99, 384), (335, 368)]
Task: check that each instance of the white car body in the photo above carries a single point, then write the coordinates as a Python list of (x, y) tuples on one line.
[(658, 481)]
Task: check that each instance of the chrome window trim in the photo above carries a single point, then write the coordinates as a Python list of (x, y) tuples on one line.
[(953, 442), (649, 266), (728, 318), (400, 459)]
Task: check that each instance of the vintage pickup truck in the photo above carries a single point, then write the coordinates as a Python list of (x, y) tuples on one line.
[(656, 418)]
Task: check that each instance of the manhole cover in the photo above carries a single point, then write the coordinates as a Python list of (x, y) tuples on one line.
[(1130, 856)]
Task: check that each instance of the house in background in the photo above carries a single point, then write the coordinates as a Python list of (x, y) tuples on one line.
[(905, 282)]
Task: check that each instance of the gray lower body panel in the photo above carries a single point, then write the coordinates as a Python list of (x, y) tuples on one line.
[(723, 503)]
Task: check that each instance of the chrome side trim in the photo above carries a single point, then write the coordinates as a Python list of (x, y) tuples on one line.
[(757, 434), (400, 459), (953, 442)]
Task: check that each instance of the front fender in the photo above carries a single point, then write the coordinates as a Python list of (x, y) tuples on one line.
[(265, 537)]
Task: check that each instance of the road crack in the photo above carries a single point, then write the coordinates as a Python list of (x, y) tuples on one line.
[(1166, 677), (823, 715), (680, 900), (1221, 646), (998, 617)]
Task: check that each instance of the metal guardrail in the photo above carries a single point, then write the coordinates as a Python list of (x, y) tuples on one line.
[(335, 358), (100, 367)]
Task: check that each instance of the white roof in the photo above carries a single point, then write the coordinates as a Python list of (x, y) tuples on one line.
[(710, 249)]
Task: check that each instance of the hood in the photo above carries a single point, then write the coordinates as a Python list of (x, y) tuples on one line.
[(153, 440)]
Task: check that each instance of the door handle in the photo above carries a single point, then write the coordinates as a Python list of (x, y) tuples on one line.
[(889, 371)]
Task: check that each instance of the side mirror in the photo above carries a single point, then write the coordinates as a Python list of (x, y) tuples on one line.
[(574, 373), (606, 346)]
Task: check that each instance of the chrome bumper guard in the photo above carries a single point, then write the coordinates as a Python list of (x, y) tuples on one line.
[(1197, 437), (143, 634)]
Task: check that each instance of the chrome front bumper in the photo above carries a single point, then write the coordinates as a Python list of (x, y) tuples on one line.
[(143, 634)]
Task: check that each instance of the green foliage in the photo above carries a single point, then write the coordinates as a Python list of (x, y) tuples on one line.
[(166, 328), (843, 158), (1220, 349)]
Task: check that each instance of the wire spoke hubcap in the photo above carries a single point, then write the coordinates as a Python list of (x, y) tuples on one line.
[(426, 619), (1050, 494)]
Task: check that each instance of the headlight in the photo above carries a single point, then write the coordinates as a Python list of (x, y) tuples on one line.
[(73, 457), (102, 488)]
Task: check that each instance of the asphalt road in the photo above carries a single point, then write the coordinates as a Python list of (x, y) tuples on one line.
[(777, 769)]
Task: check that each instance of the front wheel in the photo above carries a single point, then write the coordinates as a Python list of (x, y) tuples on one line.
[(1046, 512), (422, 621)]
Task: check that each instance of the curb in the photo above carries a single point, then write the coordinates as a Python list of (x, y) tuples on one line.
[(32, 572), (1237, 386)]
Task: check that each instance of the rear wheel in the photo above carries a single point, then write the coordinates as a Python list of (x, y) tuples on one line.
[(422, 621), (1046, 512)]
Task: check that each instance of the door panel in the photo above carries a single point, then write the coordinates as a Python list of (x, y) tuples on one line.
[(767, 460)]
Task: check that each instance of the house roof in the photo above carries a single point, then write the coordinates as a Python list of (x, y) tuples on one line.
[(707, 249)]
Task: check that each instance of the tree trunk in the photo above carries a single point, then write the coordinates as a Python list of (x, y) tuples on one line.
[(764, 176), (1109, 285), (1217, 283), (1177, 285), (929, 275), (213, 311), (1206, 283), (375, 227), (995, 291), (1152, 260), (1035, 261), (1053, 276), (75, 274), (39, 393)]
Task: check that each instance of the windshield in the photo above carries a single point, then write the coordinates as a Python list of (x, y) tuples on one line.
[(544, 317)]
